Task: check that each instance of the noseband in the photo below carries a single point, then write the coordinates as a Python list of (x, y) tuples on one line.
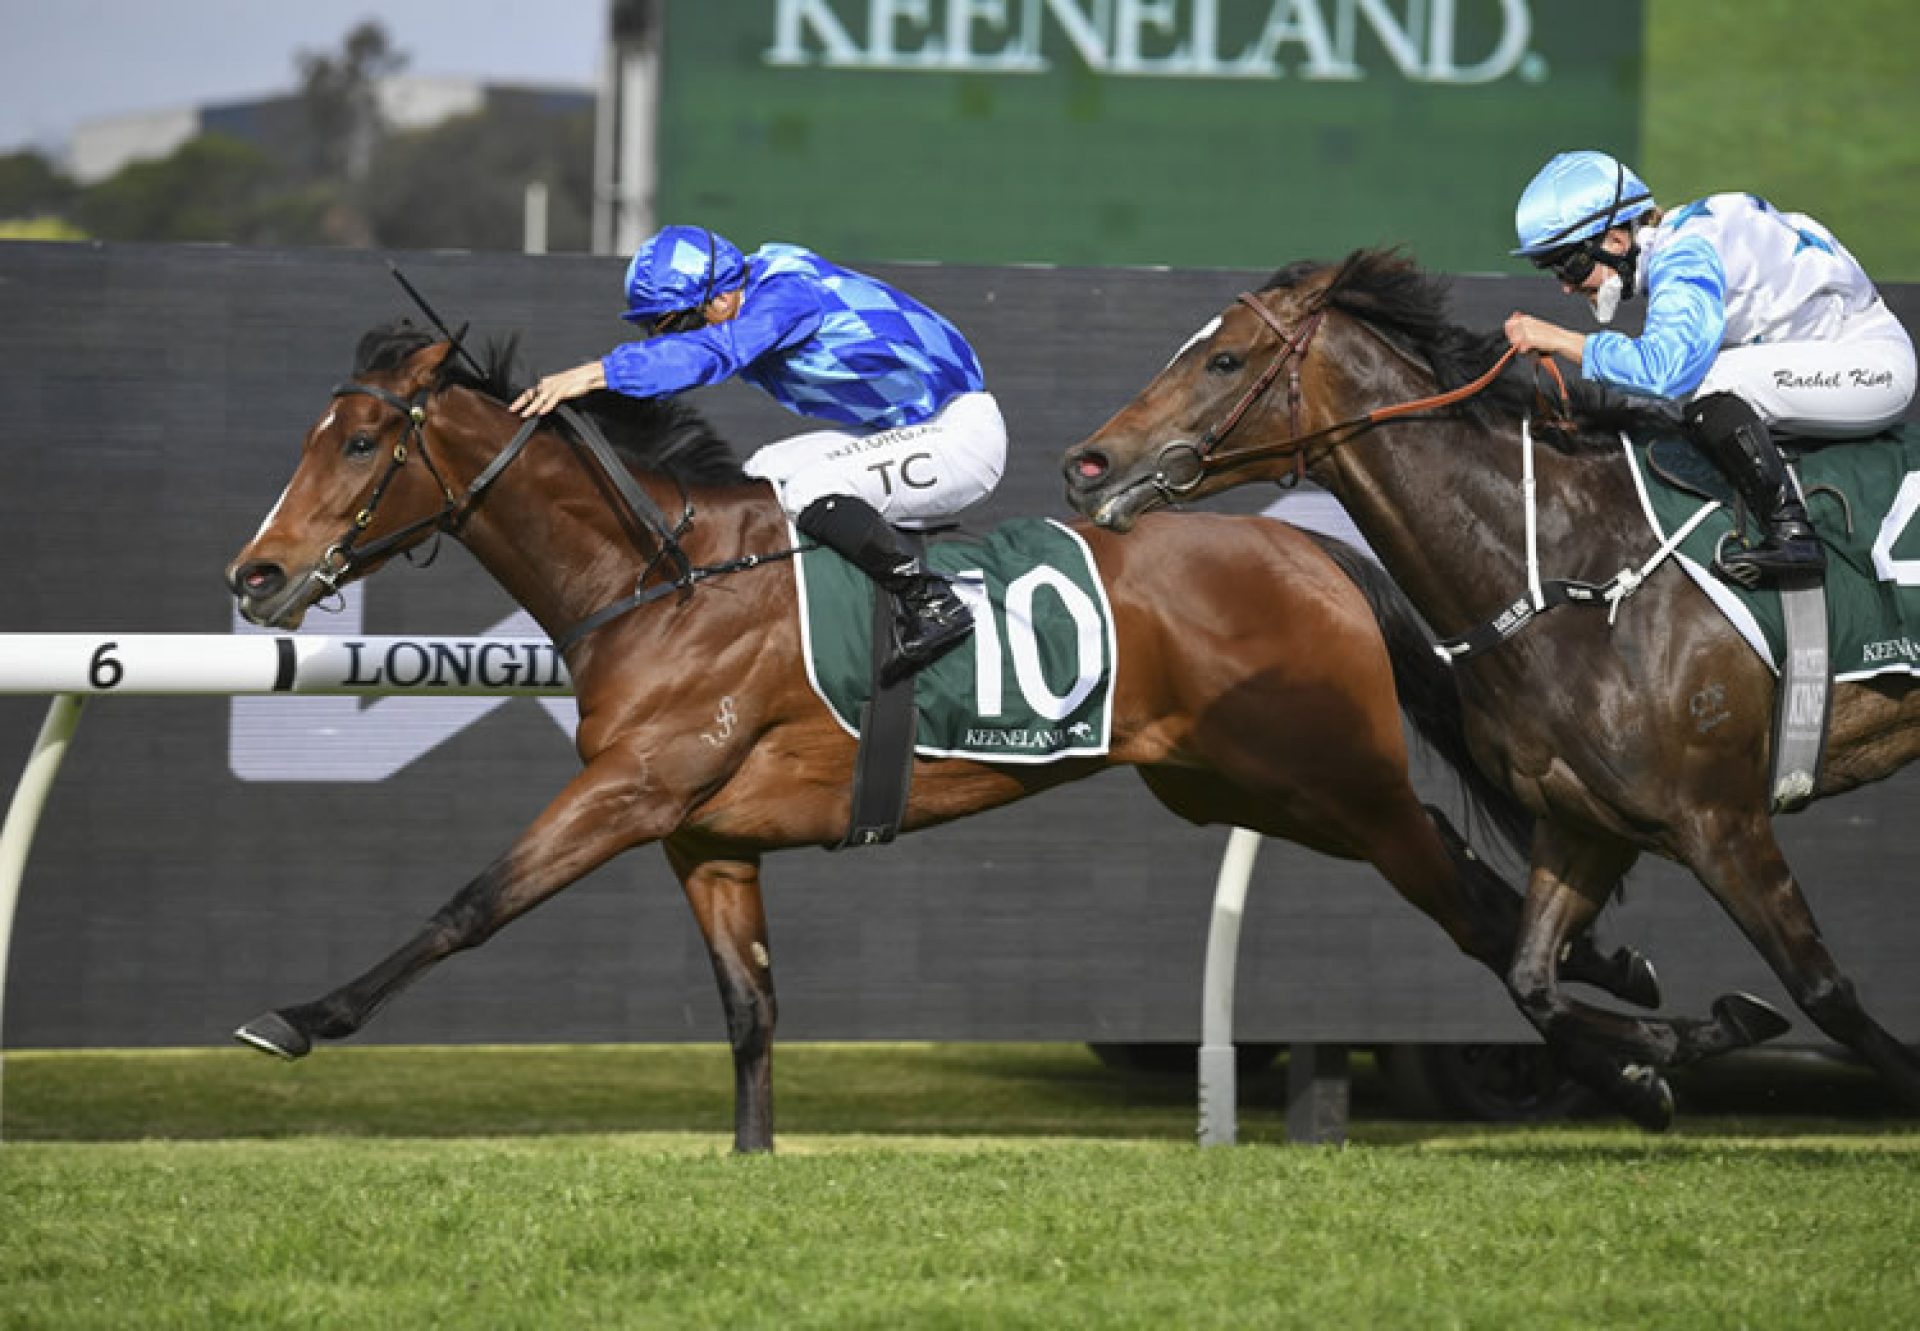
[(1199, 460), (346, 554)]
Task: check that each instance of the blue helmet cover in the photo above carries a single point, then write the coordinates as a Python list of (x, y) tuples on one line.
[(1577, 196), (679, 268)]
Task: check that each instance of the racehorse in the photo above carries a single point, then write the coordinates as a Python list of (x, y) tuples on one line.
[(698, 729), (1651, 733)]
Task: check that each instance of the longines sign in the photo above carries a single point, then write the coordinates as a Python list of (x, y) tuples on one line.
[(1321, 40)]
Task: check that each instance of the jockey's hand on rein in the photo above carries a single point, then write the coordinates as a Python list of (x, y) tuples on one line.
[(553, 389)]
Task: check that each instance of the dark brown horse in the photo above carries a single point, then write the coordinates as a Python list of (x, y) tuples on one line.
[(1596, 726), (1275, 711)]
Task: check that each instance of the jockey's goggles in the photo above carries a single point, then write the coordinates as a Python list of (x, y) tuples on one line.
[(1570, 263), (676, 321)]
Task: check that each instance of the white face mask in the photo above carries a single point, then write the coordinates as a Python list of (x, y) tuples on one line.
[(1606, 301)]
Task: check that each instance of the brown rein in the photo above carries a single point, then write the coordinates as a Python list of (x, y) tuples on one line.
[(1293, 349)]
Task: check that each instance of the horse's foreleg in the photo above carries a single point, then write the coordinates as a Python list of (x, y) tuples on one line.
[(724, 890), (1572, 877), (1740, 862), (599, 814), (1624, 972), (1422, 855)]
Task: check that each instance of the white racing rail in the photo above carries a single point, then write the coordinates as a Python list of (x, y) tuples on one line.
[(72, 667)]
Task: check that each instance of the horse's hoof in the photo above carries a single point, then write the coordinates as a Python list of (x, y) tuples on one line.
[(274, 1034), (1749, 1019), (1647, 1100), (1639, 983)]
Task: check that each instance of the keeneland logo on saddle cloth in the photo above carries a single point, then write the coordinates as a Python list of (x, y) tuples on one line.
[(1033, 683), (1872, 539)]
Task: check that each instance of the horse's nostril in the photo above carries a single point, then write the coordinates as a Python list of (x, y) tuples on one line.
[(259, 580), (1090, 466)]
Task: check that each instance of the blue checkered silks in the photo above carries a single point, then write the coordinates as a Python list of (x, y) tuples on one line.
[(824, 341)]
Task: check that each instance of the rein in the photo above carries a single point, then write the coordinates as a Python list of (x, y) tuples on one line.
[(345, 555), (1206, 458)]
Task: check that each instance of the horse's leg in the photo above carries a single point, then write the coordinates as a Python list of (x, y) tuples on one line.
[(1740, 862), (1573, 874), (1417, 852), (724, 891), (599, 814), (1624, 972), (1486, 919)]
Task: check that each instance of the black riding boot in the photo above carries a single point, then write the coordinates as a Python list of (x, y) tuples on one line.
[(930, 619), (1733, 435)]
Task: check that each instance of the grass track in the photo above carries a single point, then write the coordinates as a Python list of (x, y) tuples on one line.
[(897, 1200)]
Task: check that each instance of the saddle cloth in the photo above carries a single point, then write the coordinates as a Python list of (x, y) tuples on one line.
[(1033, 683), (1872, 539)]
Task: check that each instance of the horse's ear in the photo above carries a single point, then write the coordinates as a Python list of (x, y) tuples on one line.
[(424, 367)]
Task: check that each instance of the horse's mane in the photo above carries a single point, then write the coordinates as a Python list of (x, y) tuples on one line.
[(1388, 291), (652, 434)]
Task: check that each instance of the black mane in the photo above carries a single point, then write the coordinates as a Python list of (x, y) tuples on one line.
[(1390, 293), (651, 434)]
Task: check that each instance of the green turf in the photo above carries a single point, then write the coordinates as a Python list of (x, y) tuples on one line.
[(916, 1185), (1590, 1228)]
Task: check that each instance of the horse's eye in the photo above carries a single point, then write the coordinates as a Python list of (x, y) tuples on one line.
[(1224, 362), (359, 445)]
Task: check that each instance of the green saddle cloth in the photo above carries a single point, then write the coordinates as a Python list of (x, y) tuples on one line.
[(1873, 564), (1033, 683)]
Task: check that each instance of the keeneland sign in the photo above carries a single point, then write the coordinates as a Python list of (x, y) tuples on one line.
[(1307, 39)]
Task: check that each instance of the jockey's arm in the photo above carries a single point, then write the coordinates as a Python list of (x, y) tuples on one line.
[(781, 314), (1686, 318)]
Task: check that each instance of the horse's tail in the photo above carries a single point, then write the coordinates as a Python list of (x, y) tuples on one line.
[(1429, 696)]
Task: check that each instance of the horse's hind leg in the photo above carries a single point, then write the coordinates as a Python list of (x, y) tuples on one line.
[(1740, 862), (724, 891), (1416, 851), (593, 819)]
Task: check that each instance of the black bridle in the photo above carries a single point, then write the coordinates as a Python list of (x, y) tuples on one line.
[(1205, 458), (347, 555)]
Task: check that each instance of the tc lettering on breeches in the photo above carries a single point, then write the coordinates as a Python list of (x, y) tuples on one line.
[(914, 475)]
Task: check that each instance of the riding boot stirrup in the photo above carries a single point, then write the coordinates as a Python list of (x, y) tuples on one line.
[(931, 620), (1732, 434)]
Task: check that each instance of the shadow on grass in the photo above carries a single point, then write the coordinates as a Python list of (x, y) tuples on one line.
[(826, 1090)]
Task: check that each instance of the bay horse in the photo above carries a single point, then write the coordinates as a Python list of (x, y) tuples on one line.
[(1274, 711), (1597, 726)]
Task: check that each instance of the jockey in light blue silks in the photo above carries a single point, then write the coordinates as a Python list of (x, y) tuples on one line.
[(1757, 321), (916, 437)]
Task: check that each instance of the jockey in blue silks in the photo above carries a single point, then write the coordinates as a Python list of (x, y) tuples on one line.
[(914, 436), (1757, 321)]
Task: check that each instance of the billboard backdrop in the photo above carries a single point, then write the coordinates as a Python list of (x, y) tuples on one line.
[(203, 859), (1180, 132)]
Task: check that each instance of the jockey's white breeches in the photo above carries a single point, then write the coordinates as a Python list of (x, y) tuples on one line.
[(915, 475), (1856, 383)]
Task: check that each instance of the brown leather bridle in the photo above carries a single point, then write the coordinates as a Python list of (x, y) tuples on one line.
[(1205, 456)]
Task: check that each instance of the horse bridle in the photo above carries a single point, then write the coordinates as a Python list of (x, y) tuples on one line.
[(1206, 459), (346, 554)]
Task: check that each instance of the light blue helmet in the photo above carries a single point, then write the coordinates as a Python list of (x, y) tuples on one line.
[(680, 268), (1576, 196)]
